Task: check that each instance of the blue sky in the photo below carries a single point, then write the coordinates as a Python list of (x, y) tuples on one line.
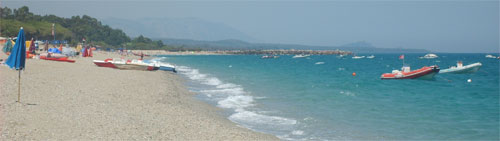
[(440, 26)]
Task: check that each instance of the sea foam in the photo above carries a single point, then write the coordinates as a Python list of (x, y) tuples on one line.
[(233, 97)]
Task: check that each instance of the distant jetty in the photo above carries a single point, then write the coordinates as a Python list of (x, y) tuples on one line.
[(286, 52), (248, 52)]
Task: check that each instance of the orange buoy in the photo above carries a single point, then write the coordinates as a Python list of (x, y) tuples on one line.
[(354, 74)]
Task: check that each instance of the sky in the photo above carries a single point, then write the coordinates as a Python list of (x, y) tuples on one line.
[(439, 26)]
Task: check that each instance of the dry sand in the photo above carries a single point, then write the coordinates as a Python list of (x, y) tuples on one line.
[(81, 101)]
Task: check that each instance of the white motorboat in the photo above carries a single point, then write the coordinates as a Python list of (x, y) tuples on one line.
[(429, 56), (463, 69), (371, 57), (358, 57), (490, 56), (300, 56), (319, 63), (269, 57)]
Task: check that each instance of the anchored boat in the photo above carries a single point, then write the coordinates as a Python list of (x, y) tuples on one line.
[(463, 69), (358, 57), (300, 56), (269, 57), (429, 56), (406, 73), (490, 56)]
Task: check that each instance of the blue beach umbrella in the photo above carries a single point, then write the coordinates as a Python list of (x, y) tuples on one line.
[(17, 58)]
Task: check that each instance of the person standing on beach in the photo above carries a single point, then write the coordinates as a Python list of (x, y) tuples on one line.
[(46, 48), (32, 47)]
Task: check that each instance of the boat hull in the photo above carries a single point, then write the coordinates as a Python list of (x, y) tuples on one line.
[(164, 68), (422, 73), (104, 64), (465, 69), (62, 59), (136, 67)]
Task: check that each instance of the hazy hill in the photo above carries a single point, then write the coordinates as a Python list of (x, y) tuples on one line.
[(179, 28), (356, 47)]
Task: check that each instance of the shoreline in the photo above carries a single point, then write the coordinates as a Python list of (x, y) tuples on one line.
[(79, 100)]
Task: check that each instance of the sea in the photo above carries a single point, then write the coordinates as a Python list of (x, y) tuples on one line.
[(319, 97)]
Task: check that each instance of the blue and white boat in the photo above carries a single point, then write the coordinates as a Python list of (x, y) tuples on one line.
[(162, 66), (463, 69)]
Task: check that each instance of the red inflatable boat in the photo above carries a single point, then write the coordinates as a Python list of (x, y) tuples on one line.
[(62, 59), (422, 73)]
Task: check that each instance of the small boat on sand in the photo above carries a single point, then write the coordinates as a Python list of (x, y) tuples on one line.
[(463, 69), (300, 56), (429, 56), (167, 67), (406, 73), (106, 63), (61, 59), (52, 55), (134, 65), (162, 66)]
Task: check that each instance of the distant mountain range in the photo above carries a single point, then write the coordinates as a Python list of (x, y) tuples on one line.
[(178, 28), (232, 44), (193, 33)]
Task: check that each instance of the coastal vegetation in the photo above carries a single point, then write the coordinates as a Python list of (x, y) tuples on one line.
[(72, 29)]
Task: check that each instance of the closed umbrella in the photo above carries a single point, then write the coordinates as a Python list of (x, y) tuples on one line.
[(17, 58)]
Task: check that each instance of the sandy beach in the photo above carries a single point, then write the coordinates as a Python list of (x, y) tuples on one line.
[(64, 101)]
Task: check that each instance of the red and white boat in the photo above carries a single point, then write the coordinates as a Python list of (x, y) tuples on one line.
[(406, 73), (106, 63)]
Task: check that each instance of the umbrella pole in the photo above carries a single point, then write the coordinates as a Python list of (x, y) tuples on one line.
[(19, 88)]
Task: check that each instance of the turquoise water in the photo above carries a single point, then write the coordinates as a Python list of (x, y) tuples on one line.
[(298, 99)]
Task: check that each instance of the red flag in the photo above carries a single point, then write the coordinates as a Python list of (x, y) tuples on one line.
[(402, 57)]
